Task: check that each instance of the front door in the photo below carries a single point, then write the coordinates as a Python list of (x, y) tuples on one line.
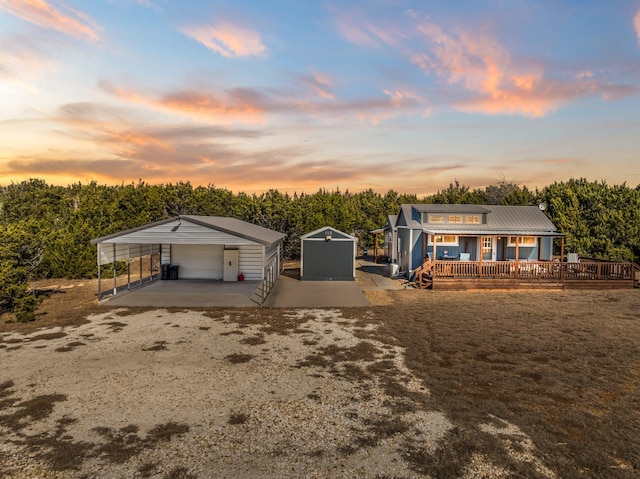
[(488, 248)]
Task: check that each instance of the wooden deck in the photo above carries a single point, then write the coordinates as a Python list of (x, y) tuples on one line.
[(462, 275)]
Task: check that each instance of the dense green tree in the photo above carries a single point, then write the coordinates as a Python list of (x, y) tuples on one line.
[(46, 230)]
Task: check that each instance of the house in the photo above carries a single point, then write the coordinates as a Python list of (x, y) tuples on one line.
[(389, 234), (198, 247), (488, 246), (327, 254)]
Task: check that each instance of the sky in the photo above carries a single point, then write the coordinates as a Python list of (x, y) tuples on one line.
[(252, 95)]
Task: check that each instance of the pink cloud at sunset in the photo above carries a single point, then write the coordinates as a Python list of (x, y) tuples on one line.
[(227, 39), (484, 68), (237, 105), (64, 19)]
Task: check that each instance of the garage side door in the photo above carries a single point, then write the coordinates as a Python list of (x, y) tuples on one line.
[(198, 261)]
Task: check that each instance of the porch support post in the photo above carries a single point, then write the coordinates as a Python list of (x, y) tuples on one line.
[(517, 271), (99, 276), (424, 246), (435, 256), (128, 266), (562, 258), (115, 288), (480, 248)]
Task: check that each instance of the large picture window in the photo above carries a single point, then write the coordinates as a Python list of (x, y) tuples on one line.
[(444, 240), (524, 241)]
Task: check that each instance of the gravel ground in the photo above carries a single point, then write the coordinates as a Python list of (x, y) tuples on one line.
[(187, 394)]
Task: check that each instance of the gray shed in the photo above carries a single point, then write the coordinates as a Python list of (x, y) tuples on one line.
[(328, 255)]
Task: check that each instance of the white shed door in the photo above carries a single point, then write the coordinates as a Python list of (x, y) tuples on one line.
[(198, 261)]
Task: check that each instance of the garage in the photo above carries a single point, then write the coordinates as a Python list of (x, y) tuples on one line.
[(198, 261), (212, 248), (328, 255)]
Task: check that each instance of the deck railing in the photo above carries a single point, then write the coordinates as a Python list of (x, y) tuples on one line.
[(537, 270)]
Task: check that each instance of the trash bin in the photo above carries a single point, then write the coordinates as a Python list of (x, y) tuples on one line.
[(393, 270), (173, 271), (165, 272)]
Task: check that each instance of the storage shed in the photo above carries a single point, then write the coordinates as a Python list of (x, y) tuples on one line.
[(198, 247), (328, 255)]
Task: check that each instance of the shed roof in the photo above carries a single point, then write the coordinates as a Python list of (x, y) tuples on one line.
[(232, 226), (336, 234)]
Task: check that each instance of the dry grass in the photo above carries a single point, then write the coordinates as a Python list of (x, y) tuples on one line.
[(564, 367)]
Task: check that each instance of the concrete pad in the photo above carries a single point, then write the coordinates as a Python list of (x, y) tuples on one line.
[(293, 293), (189, 293), (376, 276)]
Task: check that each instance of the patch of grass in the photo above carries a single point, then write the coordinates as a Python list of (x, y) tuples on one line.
[(47, 336), (148, 469), (69, 347), (35, 409), (238, 418), (116, 326), (254, 340), (157, 346), (164, 432), (180, 472), (238, 358), (120, 444)]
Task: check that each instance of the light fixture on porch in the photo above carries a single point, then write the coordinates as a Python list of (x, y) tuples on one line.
[(328, 235)]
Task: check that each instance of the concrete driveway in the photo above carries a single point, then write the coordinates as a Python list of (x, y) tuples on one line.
[(288, 292)]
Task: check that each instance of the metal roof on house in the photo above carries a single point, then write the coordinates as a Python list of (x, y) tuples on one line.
[(515, 220), (231, 226)]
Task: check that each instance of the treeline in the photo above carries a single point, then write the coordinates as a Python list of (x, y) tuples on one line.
[(45, 229)]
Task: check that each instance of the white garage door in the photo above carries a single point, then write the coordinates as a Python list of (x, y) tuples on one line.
[(198, 261)]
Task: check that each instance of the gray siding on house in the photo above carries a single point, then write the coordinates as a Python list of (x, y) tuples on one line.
[(328, 260), (404, 254)]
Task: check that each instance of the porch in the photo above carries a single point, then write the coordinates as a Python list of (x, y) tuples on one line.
[(460, 275)]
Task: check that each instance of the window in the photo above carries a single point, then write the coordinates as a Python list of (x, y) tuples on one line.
[(436, 218), (524, 241), (444, 240), (454, 219), (472, 219), (487, 244)]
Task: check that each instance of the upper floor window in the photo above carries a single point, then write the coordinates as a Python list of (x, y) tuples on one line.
[(472, 219), (454, 219), (436, 218)]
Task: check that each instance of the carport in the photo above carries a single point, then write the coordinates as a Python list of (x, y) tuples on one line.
[(201, 248)]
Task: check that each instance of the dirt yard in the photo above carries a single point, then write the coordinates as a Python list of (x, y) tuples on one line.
[(422, 384)]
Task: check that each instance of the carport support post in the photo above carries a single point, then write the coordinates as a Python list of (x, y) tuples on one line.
[(140, 267), (99, 276), (128, 267), (115, 288), (150, 262)]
